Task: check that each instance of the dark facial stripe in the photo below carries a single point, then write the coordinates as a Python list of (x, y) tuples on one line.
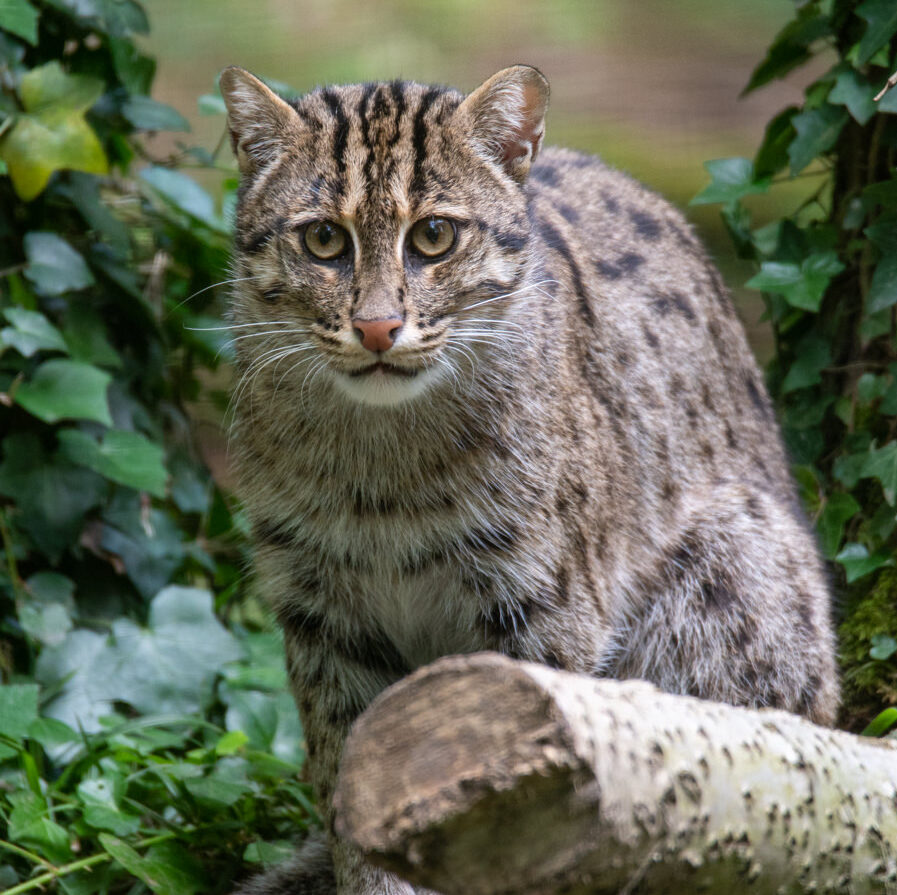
[(419, 137), (341, 131), (397, 89), (554, 240), (363, 107)]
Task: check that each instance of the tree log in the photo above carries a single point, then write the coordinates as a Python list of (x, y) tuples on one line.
[(479, 775)]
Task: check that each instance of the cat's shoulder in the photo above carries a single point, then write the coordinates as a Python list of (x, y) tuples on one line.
[(599, 202)]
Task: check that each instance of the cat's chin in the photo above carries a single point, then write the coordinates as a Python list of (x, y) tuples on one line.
[(382, 388)]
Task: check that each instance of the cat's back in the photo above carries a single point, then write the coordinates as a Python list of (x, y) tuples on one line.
[(649, 329)]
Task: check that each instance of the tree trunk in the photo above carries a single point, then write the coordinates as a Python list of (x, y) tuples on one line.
[(479, 774)]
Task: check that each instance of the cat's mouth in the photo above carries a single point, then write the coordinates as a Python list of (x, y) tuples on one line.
[(382, 369)]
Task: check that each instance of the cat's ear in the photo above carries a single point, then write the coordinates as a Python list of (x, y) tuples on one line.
[(507, 117), (261, 124)]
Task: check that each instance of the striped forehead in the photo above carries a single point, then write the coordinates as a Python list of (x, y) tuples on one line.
[(376, 142)]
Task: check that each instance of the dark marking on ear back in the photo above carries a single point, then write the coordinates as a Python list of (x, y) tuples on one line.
[(683, 306), (650, 336), (610, 203)]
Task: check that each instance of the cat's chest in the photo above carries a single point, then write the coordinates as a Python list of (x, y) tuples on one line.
[(426, 615)]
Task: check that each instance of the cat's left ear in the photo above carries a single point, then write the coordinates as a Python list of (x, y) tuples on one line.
[(507, 117)]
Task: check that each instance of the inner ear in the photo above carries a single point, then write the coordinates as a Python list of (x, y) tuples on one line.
[(507, 117), (261, 124)]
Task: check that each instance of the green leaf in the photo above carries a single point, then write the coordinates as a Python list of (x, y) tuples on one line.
[(49, 87), (839, 509), (52, 495), (817, 130), (211, 104), (54, 266), (268, 853), (20, 18), (772, 156), (52, 734), (791, 46), (216, 791), (125, 457), (804, 285), (160, 874), (883, 288), (813, 355), (731, 179), (883, 646), (879, 463), (54, 134), (858, 562), (881, 723), (149, 115), (185, 194), (66, 389), (18, 708), (30, 332), (881, 16), (854, 91)]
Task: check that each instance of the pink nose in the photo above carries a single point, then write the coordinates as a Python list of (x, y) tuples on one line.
[(377, 335)]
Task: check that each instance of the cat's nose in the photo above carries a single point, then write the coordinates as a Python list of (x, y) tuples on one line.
[(377, 335)]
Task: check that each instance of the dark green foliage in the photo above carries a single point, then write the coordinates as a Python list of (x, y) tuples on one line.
[(829, 277), (143, 745)]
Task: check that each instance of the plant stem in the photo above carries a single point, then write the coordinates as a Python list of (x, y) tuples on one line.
[(74, 866)]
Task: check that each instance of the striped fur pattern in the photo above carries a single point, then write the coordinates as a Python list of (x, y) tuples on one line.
[(567, 455)]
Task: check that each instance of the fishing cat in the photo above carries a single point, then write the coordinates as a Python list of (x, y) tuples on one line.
[(493, 397)]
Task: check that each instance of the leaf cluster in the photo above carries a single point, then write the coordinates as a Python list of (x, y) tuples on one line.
[(142, 743), (828, 275)]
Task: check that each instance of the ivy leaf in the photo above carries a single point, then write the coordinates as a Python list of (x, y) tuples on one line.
[(839, 509), (731, 179), (47, 615), (854, 91), (30, 332), (66, 389), (813, 356), (804, 285), (149, 115), (772, 156), (125, 457), (18, 708), (20, 18), (883, 646), (52, 495), (185, 194), (54, 133), (817, 130), (858, 562), (791, 46), (878, 463), (881, 16), (54, 266)]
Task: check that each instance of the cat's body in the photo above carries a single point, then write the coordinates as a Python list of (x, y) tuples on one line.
[(584, 469)]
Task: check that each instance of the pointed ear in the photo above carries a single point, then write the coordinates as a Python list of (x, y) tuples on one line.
[(261, 124), (507, 117)]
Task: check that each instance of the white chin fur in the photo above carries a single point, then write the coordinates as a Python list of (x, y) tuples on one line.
[(383, 389)]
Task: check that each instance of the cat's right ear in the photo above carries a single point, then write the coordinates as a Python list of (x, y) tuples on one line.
[(261, 124), (507, 117)]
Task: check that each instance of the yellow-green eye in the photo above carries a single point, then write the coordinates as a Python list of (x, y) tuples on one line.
[(432, 236), (326, 240)]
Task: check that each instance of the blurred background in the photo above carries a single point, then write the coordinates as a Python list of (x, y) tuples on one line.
[(651, 85)]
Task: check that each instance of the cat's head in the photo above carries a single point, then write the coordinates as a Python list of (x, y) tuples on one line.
[(381, 228)]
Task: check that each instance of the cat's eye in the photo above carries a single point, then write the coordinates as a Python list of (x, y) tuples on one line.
[(432, 236), (326, 240)]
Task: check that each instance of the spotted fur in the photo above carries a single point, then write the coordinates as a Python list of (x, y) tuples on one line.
[(569, 455)]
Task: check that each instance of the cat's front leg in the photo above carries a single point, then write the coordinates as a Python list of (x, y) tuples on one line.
[(334, 673)]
